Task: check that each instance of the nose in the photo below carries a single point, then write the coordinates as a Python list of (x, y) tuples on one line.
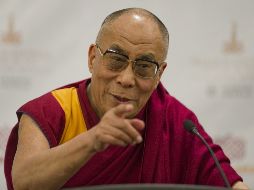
[(126, 78)]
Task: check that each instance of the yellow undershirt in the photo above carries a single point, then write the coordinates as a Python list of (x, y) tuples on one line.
[(74, 120)]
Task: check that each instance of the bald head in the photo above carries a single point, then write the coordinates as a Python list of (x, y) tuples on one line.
[(136, 14)]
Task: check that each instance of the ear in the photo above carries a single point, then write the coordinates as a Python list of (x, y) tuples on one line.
[(161, 70), (91, 57)]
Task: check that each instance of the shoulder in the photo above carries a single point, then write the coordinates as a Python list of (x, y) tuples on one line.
[(170, 104), (52, 111), (51, 101), (171, 111)]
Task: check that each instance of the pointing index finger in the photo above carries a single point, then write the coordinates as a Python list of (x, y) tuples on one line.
[(122, 109)]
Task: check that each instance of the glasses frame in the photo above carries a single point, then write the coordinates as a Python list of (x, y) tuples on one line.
[(129, 60)]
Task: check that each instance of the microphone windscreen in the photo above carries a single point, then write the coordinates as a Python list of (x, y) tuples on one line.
[(189, 125)]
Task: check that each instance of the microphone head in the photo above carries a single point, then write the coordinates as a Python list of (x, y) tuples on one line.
[(189, 125)]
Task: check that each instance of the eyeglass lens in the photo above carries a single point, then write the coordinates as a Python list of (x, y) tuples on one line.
[(118, 62)]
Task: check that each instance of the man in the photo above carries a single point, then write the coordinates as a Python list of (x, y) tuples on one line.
[(120, 126)]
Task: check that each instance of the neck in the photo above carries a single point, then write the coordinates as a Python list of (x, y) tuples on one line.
[(91, 100)]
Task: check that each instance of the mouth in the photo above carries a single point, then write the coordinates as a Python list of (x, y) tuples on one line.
[(122, 99)]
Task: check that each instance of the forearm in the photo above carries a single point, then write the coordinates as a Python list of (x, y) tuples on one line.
[(37, 166), (51, 168)]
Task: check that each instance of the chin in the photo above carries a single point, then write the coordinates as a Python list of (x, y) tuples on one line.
[(133, 113)]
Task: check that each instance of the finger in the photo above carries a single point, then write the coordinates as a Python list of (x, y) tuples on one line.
[(137, 124), (122, 109), (119, 133), (122, 129), (130, 130)]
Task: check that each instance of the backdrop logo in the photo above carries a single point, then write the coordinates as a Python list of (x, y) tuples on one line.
[(10, 36), (19, 60), (232, 70), (233, 45)]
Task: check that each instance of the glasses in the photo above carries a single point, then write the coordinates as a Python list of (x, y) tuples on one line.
[(117, 62)]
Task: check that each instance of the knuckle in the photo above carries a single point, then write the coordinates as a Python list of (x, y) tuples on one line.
[(119, 135)]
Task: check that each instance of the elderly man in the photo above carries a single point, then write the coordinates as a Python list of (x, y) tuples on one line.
[(120, 126)]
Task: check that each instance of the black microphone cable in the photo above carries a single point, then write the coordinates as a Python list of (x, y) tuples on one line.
[(190, 127)]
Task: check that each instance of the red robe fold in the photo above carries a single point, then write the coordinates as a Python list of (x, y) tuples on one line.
[(168, 154)]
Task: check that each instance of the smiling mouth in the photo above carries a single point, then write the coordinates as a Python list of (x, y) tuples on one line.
[(121, 99)]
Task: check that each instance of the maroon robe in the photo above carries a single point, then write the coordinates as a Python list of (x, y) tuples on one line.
[(168, 154)]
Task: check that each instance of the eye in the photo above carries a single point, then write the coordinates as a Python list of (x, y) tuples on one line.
[(116, 57), (145, 64)]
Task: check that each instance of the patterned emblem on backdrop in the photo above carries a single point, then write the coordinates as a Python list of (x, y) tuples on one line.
[(18, 62), (10, 36)]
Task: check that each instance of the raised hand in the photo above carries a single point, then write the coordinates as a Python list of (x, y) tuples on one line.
[(115, 129)]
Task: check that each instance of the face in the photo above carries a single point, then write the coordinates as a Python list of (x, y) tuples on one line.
[(134, 36)]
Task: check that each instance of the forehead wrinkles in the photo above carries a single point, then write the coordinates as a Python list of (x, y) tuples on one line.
[(136, 42), (111, 34), (133, 36)]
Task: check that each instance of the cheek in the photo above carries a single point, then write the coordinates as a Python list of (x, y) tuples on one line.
[(146, 87), (102, 74), (145, 90), (101, 84), (102, 80)]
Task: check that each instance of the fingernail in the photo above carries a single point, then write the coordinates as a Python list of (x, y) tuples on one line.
[(139, 139)]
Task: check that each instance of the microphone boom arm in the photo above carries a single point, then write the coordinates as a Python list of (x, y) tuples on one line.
[(190, 127), (215, 159)]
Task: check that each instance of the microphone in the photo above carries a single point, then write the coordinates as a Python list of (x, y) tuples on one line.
[(190, 127)]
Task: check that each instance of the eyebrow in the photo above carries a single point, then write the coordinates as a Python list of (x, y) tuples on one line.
[(118, 49), (146, 56)]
